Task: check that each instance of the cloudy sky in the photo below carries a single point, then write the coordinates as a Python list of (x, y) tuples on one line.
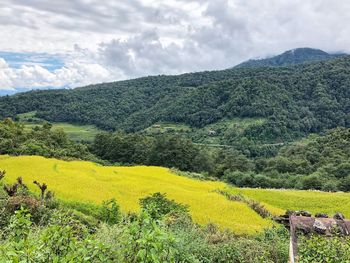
[(70, 43)]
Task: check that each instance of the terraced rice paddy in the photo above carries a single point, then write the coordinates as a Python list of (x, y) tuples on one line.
[(87, 182), (91, 183), (277, 201)]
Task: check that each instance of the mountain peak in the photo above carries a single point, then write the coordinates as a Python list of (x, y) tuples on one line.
[(291, 57)]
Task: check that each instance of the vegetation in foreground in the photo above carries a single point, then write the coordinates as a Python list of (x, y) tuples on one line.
[(317, 249), (43, 230)]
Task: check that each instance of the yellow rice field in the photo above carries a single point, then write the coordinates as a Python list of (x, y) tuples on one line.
[(278, 201), (89, 182)]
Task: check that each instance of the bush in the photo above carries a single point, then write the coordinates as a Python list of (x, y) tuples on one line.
[(148, 242), (312, 182), (110, 212), (158, 206), (56, 243), (15, 203), (322, 249), (330, 186), (344, 184)]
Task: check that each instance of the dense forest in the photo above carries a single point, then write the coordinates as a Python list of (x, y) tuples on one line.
[(294, 101), (317, 162)]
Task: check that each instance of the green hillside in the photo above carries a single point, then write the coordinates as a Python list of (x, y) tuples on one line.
[(295, 101), (74, 132)]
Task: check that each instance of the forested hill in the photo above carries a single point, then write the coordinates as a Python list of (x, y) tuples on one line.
[(291, 57), (293, 100)]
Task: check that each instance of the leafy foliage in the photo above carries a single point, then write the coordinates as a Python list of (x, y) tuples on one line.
[(158, 206), (148, 241), (137, 238), (110, 212), (321, 249)]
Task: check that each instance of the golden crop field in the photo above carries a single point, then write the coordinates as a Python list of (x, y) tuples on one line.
[(278, 201), (89, 182)]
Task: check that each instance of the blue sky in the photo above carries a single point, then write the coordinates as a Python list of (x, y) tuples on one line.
[(17, 60)]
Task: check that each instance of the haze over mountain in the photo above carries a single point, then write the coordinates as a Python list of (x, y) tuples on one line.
[(291, 57)]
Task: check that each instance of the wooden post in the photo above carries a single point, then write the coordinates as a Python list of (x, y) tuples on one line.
[(293, 243)]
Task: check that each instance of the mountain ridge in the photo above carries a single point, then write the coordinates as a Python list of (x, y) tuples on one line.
[(291, 57), (294, 100)]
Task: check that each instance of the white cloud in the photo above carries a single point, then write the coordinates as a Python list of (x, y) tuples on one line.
[(73, 74), (117, 39)]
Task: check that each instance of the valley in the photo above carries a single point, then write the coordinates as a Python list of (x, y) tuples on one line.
[(151, 131), (207, 159)]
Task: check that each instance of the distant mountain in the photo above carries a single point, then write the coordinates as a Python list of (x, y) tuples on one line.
[(8, 92), (291, 57), (293, 101)]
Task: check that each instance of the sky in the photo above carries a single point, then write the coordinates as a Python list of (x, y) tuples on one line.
[(71, 43)]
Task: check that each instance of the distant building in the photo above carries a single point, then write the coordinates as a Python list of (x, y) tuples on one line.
[(212, 132)]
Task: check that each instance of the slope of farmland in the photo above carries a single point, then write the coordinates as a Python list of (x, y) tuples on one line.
[(89, 182), (278, 201)]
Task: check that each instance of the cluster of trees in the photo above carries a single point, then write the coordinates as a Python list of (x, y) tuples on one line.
[(15, 139), (294, 100), (37, 229), (319, 162), (171, 151)]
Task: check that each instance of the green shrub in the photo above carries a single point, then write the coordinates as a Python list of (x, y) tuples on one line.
[(158, 206), (85, 208), (312, 182), (317, 249), (147, 241), (110, 212), (344, 184)]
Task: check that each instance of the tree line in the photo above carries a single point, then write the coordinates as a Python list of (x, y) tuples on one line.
[(318, 162)]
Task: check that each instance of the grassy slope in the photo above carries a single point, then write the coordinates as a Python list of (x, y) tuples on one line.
[(202, 135), (89, 182), (74, 131), (277, 201)]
